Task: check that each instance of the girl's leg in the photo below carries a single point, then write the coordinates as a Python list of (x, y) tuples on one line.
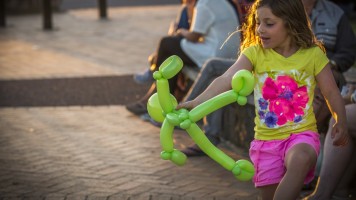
[(298, 161)]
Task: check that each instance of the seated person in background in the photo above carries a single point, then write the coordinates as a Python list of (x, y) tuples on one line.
[(338, 167), (330, 25), (183, 20), (213, 125), (347, 5), (212, 23)]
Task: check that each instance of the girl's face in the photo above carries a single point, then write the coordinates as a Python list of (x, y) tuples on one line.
[(271, 30)]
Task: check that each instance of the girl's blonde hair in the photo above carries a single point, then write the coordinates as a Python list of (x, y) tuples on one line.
[(294, 16)]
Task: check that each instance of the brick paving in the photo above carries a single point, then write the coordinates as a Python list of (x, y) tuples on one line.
[(94, 152), (100, 152)]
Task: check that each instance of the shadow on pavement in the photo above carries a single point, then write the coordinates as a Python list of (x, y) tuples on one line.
[(108, 90)]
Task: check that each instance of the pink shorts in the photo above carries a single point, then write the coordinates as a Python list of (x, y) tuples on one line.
[(268, 157)]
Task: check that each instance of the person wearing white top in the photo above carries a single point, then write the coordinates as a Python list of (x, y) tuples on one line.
[(215, 21)]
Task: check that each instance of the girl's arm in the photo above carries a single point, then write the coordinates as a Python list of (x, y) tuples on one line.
[(336, 105), (220, 84)]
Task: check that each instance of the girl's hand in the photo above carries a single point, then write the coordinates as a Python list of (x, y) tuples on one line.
[(187, 105), (339, 135)]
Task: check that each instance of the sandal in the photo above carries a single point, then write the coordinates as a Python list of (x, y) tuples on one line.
[(137, 108), (193, 151)]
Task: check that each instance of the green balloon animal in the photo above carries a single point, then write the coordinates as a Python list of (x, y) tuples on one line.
[(161, 107)]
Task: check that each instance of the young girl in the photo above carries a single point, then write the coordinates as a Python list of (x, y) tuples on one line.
[(287, 62)]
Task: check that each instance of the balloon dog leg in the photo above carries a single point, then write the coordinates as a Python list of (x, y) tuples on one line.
[(205, 145), (164, 95), (169, 153), (243, 170), (212, 105)]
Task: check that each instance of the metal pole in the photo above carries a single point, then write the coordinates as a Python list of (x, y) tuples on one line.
[(103, 9), (2, 13), (47, 14)]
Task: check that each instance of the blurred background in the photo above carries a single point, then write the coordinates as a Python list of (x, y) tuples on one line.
[(20, 6)]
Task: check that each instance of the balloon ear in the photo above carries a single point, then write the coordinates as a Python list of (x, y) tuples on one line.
[(171, 66), (154, 107), (243, 82)]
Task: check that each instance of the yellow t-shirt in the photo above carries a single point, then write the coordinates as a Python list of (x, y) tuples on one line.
[(284, 90)]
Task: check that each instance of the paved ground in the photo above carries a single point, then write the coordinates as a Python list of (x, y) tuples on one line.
[(80, 151)]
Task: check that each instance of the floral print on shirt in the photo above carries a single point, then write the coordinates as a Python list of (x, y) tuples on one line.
[(282, 101)]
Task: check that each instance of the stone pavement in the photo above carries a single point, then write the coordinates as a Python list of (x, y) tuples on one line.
[(94, 152)]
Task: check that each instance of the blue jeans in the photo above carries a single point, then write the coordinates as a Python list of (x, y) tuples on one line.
[(212, 69)]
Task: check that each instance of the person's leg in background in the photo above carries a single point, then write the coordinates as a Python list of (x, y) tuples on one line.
[(213, 124), (343, 187), (168, 46), (182, 21), (212, 68), (338, 166), (171, 46)]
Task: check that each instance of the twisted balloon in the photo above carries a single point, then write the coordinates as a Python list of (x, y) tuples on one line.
[(161, 107)]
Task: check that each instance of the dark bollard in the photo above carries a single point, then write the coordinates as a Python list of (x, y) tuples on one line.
[(47, 14), (102, 9), (2, 13)]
